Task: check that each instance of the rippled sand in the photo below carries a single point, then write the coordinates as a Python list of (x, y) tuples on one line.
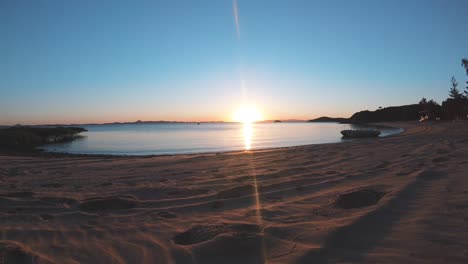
[(398, 199)]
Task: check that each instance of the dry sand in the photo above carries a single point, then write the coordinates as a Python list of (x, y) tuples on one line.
[(401, 199)]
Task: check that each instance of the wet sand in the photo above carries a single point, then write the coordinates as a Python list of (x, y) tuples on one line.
[(400, 199)]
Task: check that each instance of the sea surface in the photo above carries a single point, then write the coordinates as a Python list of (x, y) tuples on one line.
[(184, 138)]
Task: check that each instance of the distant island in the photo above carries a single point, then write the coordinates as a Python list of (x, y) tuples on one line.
[(282, 121), (128, 123), (329, 119)]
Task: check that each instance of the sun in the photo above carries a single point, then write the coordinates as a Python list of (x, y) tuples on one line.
[(247, 114)]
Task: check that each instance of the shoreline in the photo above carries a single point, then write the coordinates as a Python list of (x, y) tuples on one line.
[(364, 201), (41, 152)]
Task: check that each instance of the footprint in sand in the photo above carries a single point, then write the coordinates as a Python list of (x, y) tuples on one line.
[(46, 217), (202, 233), (242, 179), (442, 151), (441, 159), (15, 252), (168, 215), (105, 184), (186, 192), (237, 192), (130, 183), (23, 194), (59, 200), (357, 199), (273, 199), (383, 164), (107, 203), (217, 204), (52, 185), (266, 214), (12, 172), (300, 188), (431, 174)]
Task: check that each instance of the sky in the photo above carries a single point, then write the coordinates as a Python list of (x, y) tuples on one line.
[(103, 61)]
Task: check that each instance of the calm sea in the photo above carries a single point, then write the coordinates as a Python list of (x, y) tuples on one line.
[(179, 138)]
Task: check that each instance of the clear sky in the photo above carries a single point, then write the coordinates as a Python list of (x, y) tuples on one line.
[(104, 61)]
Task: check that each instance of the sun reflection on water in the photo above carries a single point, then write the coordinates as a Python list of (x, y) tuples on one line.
[(248, 133)]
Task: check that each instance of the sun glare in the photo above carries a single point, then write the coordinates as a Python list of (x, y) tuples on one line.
[(247, 114)]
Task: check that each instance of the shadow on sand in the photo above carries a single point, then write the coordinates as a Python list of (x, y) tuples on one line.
[(350, 243)]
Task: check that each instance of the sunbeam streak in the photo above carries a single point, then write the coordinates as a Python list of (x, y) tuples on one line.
[(236, 17), (258, 206), (248, 115), (248, 133)]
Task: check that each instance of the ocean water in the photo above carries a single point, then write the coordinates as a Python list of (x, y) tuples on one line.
[(184, 138)]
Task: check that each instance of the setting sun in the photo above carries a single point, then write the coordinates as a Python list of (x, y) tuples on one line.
[(234, 131), (247, 114)]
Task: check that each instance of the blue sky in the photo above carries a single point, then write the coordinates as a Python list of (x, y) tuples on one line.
[(102, 61)]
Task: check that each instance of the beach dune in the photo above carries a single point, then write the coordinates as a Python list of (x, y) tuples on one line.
[(399, 199)]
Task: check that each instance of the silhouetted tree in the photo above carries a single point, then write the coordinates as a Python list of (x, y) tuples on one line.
[(456, 106), (465, 64), (430, 109), (454, 92), (434, 109)]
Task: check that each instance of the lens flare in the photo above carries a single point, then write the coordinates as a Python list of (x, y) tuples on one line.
[(247, 114)]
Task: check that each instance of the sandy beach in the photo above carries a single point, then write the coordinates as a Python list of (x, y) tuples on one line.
[(400, 199)]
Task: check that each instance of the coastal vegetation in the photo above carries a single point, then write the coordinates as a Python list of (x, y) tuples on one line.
[(388, 114), (28, 137), (455, 107)]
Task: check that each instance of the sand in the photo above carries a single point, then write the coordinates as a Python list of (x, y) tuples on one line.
[(400, 199)]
